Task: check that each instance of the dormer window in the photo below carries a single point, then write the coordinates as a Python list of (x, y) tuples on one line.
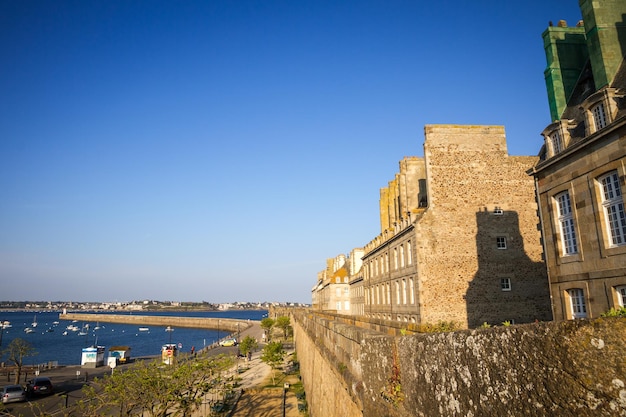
[(599, 116), (600, 109), (557, 142), (556, 136)]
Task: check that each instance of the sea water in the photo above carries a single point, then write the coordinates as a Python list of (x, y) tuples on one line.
[(52, 341)]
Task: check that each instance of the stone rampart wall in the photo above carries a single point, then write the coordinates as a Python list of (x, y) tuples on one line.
[(147, 320), (572, 368)]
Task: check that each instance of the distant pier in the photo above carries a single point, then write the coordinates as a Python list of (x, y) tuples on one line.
[(212, 323)]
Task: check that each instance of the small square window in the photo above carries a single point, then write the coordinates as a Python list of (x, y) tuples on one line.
[(501, 242), (505, 284)]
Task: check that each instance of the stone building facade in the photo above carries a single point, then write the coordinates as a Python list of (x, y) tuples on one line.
[(459, 239), (339, 286), (580, 177)]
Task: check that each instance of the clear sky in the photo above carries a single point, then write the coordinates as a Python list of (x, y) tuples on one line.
[(223, 150)]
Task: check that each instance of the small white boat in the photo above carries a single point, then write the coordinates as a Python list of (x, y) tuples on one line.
[(65, 333), (6, 324), (28, 330), (34, 323), (144, 329)]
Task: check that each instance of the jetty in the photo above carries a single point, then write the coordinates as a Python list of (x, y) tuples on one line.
[(212, 323)]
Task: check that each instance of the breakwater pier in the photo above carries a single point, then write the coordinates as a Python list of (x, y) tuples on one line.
[(212, 323)]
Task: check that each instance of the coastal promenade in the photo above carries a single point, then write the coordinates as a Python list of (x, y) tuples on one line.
[(256, 400), (212, 323)]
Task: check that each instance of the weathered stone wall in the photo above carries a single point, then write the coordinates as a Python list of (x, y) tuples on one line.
[(572, 368), (460, 267)]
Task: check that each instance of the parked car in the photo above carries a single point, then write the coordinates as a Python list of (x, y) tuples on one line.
[(228, 342), (40, 386), (13, 393)]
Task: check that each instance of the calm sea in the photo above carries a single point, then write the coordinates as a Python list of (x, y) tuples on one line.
[(51, 344)]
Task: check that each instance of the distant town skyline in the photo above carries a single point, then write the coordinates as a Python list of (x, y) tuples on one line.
[(224, 150)]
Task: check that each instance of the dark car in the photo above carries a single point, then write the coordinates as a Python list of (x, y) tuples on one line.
[(39, 386), (13, 393)]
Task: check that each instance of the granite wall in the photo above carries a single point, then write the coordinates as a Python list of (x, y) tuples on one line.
[(571, 368)]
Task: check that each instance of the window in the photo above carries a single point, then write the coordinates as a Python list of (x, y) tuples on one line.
[(338, 305), (621, 295), (395, 258), (402, 256), (338, 292), (577, 300), (397, 290), (614, 208), (388, 294), (599, 116), (505, 284), (501, 242), (409, 253), (411, 291), (566, 220), (404, 291), (557, 142)]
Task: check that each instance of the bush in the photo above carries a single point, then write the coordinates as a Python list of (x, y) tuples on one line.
[(613, 312)]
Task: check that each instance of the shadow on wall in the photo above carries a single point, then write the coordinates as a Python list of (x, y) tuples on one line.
[(509, 286)]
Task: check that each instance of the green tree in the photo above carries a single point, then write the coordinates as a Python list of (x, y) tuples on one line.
[(247, 345), (18, 350), (149, 388), (283, 323), (273, 355), (267, 324)]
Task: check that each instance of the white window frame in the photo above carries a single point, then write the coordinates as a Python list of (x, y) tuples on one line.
[(578, 303), (403, 291), (505, 284), (397, 284), (613, 203), (501, 242), (621, 295), (569, 241), (395, 259), (599, 116), (557, 142), (411, 291), (409, 251)]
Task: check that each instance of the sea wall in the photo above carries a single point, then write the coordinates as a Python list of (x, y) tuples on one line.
[(570, 368), (231, 325)]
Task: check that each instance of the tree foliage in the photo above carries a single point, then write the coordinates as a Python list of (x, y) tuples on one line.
[(267, 324), (273, 355), (283, 323), (247, 345), (153, 389), (18, 350)]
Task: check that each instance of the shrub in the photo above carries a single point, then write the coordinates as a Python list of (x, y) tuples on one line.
[(613, 312)]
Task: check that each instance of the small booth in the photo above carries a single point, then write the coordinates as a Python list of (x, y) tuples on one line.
[(168, 353), (121, 354), (92, 357)]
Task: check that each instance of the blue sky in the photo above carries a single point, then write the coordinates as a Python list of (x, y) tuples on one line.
[(223, 150)]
